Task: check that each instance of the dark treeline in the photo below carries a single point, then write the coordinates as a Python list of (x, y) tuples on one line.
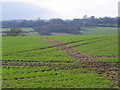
[(56, 25), (61, 26)]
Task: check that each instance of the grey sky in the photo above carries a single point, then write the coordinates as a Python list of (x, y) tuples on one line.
[(19, 10), (65, 9)]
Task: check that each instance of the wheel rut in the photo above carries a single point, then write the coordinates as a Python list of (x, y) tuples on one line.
[(60, 45), (105, 69)]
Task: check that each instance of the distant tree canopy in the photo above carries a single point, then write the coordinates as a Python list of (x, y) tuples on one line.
[(13, 32), (58, 28), (85, 21), (45, 27)]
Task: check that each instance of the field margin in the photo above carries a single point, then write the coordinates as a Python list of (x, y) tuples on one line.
[(1, 47)]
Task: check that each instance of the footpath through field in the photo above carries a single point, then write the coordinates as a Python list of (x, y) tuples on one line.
[(106, 69)]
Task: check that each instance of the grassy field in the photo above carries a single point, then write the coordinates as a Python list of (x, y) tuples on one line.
[(0, 61), (30, 31), (84, 31), (104, 47), (98, 30), (23, 29), (32, 34), (30, 62), (21, 43)]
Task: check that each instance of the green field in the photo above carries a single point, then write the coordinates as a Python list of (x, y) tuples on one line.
[(30, 31), (23, 29), (104, 47), (84, 31), (98, 30), (21, 43), (30, 62)]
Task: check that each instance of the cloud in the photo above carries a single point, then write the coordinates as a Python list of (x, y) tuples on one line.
[(67, 8), (18, 10)]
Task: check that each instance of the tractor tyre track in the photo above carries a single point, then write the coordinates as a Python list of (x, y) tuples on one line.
[(7, 61), (105, 69), (56, 45)]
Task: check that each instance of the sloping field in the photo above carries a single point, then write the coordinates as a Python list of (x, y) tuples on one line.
[(26, 31), (22, 43), (104, 47), (23, 29), (99, 30), (31, 62)]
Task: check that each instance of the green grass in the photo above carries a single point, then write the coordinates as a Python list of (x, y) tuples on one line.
[(27, 29), (110, 59), (54, 79), (101, 48), (52, 71), (0, 47), (105, 45), (4, 29), (22, 43), (32, 34), (23, 29), (72, 38), (98, 30)]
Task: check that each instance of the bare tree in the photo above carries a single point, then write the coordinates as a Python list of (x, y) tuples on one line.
[(13, 32)]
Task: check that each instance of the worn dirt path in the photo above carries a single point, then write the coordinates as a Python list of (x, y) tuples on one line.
[(105, 69)]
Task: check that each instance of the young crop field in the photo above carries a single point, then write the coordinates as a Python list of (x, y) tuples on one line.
[(104, 47), (0, 61), (33, 62), (22, 43), (98, 30)]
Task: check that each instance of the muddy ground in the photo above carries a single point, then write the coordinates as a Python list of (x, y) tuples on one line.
[(106, 69)]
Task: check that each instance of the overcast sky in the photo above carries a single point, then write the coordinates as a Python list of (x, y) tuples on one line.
[(65, 9)]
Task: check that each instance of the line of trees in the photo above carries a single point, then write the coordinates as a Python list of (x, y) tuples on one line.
[(61, 26), (58, 26), (87, 21), (13, 32)]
